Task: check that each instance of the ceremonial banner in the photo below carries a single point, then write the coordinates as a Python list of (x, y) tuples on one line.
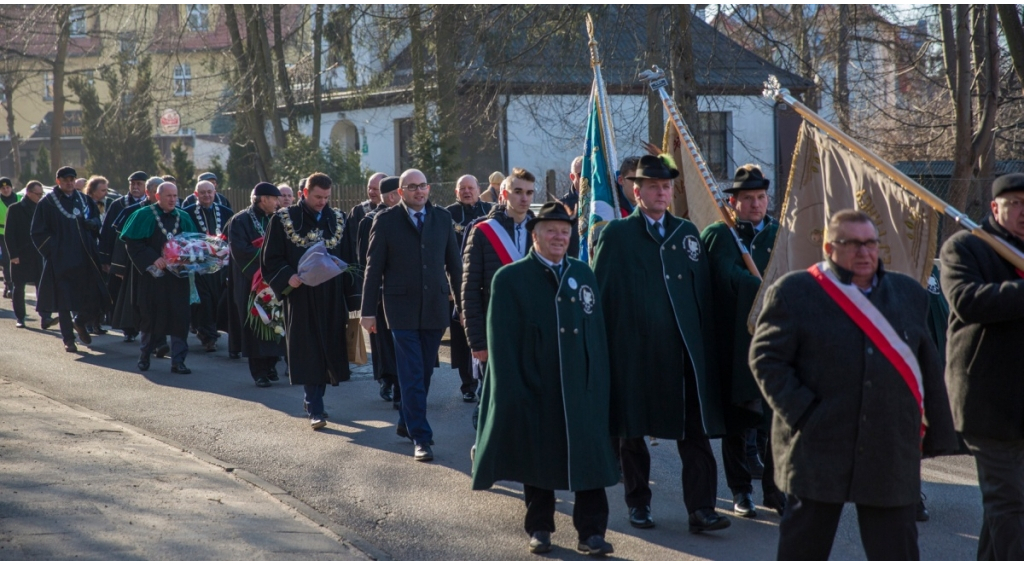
[(598, 202), (690, 200), (825, 178)]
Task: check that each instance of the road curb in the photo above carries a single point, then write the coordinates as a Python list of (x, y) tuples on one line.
[(342, 534)]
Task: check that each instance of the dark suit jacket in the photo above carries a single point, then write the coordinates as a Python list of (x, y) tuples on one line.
[(411, 267)]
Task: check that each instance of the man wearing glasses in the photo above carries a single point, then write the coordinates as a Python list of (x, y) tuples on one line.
[(984, 364), (843, 355), (412, 246)]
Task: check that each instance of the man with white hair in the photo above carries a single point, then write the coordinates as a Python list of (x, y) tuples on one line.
[(212, 219), (287, 197), (465, 211), (163, 297)]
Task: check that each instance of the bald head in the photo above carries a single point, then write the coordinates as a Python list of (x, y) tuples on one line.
[(205, 193), (373, 187), (167, 196), (413, 187), (80, 184), (467, 190)]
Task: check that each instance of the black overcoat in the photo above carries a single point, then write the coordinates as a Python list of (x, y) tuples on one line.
[(72, 277), (315, 317), (984, 366), (411, 267), (19, 243), (846, 428)]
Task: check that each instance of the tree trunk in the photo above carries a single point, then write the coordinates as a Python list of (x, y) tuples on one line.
[(282, 71), (318, 38), (63, 23), (249, 108), (841, 99), (655, 111), (803, 48), (445, 49), (266, 74), (421, 149), (987, 41), (10, 84), (684, 80), (1014, 32), (956, 52)]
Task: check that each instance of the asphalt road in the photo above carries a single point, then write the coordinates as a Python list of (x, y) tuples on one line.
[(362, 476)]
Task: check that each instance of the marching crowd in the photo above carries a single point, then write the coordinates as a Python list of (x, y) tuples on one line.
[(848, 379)]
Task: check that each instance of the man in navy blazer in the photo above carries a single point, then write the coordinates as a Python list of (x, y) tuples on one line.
[(412, 247)]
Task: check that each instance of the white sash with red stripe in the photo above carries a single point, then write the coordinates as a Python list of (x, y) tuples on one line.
[(502, 243), (863, 313)]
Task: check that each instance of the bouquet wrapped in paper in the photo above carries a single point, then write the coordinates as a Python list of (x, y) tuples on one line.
[(195, 253), (317, 266), (266, 314)]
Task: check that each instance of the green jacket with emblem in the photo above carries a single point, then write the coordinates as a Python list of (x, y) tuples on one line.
[(657, 300), (544, 407), (735, 289)]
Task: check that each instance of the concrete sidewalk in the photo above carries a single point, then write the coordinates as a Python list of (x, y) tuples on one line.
[(77, 485)]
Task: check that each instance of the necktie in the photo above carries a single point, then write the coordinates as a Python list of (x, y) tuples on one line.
[(419, 221), (656, 230)]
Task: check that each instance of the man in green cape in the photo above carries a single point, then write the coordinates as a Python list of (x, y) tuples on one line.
[(735, 289), (544, 406), (163, 298), (655, 289)]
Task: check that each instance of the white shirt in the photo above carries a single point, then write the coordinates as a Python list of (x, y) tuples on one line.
[(412, 214)]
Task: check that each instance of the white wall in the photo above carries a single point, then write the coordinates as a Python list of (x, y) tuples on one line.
[(204, 152), (376, 127)]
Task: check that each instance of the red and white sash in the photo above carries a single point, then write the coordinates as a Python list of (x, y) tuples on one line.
[(863, 313), (502, 243)]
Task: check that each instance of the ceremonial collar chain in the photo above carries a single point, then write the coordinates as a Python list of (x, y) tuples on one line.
[(314, 235), (256, 222), (160, 223), (76, 199), (200, 217)]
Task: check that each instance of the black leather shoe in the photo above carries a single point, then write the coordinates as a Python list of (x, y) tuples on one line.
[(143, 362), (97, 330), (317, 422), (69, 346), (703, 520), (180, 369), (743, 506), (262, 382), (385, 391), (640, 517), (129, 337), (305, 408), (922, 511), (20, 324), (469, 397), (422, 453), (47, 323), (540, 542), (272, 374), (595, 546), (776, 501), (161, 351), (234, 355), (83, 333)]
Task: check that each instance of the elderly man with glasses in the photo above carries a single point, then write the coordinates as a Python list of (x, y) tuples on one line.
[(843, 355)]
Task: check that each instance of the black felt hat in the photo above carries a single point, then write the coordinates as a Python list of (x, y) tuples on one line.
[(1013, 182), (748, 178), (66, 171), (551, 211), (138, 175), (389, 184), (651, 166), (266, 189)]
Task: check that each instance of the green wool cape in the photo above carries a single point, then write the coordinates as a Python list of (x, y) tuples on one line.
[(544, 407), (142, 223), (735, 290), (657, 301)]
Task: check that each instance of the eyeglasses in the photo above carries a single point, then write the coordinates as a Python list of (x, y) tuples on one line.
[(1013, 204), (416, 187), (870, 244)]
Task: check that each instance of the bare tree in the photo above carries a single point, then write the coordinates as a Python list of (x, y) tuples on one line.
[(250, 108), (318, 38)]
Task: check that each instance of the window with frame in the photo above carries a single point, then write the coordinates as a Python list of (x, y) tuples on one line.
[(714, 142), (183, 79), (78, 23), (198, 17), (404, 128), (47, 85)]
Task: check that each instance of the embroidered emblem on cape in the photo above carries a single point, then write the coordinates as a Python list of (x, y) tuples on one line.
[(587, 299), (692, 247), (933, 285), (573, 284)]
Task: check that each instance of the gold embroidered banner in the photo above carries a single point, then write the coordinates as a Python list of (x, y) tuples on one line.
[(825, 178)]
